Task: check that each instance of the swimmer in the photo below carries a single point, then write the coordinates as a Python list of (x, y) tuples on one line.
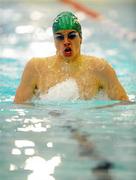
[(91, 74)]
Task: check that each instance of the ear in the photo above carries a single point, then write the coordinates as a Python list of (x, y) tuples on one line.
[(80, 40), (55, 43)]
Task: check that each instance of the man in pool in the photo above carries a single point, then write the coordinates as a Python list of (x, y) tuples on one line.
[(87, 75)]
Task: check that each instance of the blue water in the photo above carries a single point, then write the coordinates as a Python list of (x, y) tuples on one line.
[(66, 139)]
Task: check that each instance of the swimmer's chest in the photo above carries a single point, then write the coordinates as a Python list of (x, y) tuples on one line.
[(86, 81)]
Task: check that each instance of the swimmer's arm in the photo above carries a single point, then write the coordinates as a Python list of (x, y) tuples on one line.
[(111, 83), (27, 86)]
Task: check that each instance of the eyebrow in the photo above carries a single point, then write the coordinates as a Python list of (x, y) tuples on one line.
[(62, 34)]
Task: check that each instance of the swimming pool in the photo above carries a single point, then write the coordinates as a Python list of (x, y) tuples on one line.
[(78, 140)]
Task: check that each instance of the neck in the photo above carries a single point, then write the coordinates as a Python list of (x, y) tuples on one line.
[(70, 66)]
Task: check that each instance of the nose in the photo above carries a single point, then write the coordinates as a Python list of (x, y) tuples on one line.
[(66, 41)]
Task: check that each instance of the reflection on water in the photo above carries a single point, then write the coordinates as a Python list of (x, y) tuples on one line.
[(42, 168), (89, 146), (35, 128), (38, 166), (24, 143), (16, 151)]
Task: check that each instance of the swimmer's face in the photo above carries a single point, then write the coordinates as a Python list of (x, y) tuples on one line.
[(68, 43)]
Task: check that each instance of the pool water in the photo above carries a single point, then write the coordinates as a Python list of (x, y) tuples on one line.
[(62, 140)]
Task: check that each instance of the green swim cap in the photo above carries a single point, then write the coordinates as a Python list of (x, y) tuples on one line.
[(66, 21)]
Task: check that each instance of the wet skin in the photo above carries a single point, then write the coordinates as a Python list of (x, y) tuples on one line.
[(90, 73)]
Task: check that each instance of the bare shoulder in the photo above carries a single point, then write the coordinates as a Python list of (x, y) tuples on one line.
[(100, 67), (103, 68), (40, 62), (96, 63)]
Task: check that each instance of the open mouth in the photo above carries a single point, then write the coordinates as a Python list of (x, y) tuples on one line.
[(67, 51)]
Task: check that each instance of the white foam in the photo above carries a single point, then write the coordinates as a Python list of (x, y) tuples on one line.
[(66, 90)]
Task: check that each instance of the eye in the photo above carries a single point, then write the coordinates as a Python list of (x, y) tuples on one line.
[(59, 37), (72, 35)]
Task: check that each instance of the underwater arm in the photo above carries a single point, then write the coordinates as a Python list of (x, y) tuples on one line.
[(26, 88)]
